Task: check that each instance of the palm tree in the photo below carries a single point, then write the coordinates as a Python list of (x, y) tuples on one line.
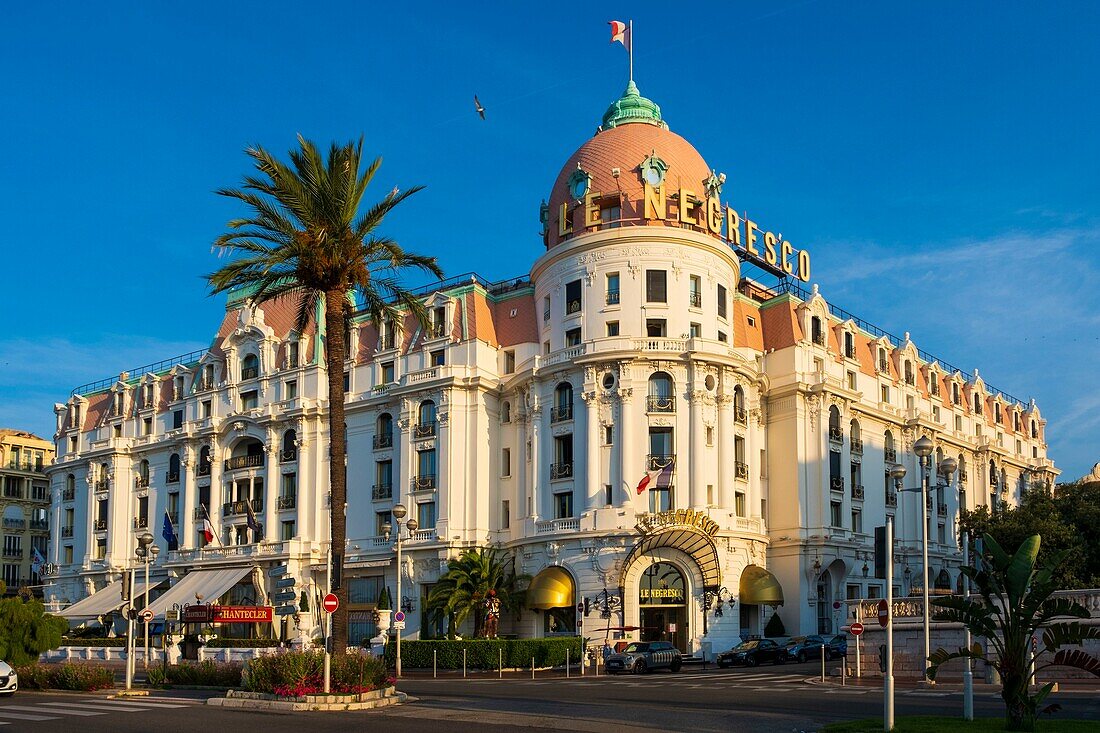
[(1015, 605), (462, 590), (305, 238)]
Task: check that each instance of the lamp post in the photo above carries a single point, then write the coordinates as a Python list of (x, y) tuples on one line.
[(399, 512), (145, 553)]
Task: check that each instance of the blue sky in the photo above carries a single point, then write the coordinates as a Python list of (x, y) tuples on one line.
[(940, 162)]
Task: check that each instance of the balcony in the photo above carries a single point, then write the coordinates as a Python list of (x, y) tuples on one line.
[(250, 373), (740, 415), (424, 430), (658, 461), (288, 455), (66, 532), (103, 485), (423, 482), (890, 454), (378, 492), (572, 306), (836, 434), (100, 525), (612, 297), (236, 508), (14, 552), (13, 492), (883, 367), (741, 470), (286, 501), (238, 462), (941, 509), (891, 498), (141, 522), (561, 471), (656, 403), (203, 469), (10, 523), (438, 330), (383, 440), (423, 535), (141, 482), (857, 446), (561, 413), (857, 492), (40, 493), (197, 514), (836, 483), (819, 338), (695, 300), (568, 524), (172, 477), (41, 525)]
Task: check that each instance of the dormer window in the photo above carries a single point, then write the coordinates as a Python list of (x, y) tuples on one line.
[(389, 335), (120, 401), (849, 345), (816, 332), (250, 367), (292, 355), (883, 364), (997, 411), (934, 383), (955, 398), (910, 379), (439, 322), (977, 404), (207, 377), (147, 398)]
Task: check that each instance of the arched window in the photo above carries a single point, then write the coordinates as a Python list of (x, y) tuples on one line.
[(890, 453), (909, 378), (1034, 430), (290, 445), (977, 404), (174, 468), (660, 397), (997, 411), (816, 332), (506, 411), (70, 487), (962, 468), (425, 414), (383, 431), (563, 403), (942, 585), (835, 433), (739, 413), (856, 436), (204, 461), (250, 367), (143, 473), (992, 474)]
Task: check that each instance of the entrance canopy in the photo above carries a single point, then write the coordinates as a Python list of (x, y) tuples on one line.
[(689, 540), (552, 588), (103, 601), (199, 585), (760, 587)]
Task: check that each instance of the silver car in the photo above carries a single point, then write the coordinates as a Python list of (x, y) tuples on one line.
[(640, 657), (9, 680)]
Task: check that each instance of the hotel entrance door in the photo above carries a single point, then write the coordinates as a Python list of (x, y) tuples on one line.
[(663, 605)]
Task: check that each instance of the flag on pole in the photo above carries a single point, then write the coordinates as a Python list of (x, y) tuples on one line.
[(658, 477), (207, 528), (37, 561), (620, 32), (253, 523), (168, 532)]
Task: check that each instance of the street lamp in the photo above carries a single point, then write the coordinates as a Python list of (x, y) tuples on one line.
[(146, 554), (399, 512)]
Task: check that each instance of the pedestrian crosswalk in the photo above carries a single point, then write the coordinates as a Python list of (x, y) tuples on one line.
[(712, 678), (16, 712)]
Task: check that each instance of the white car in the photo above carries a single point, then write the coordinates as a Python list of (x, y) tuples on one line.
[(9, 680)]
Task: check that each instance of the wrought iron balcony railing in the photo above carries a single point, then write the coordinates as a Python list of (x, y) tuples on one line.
[(286, 501), (423, 482), (658, 461), (857, 492), (836, 483), (236, 508), (561, 413), (383, 440), (836, 434), (612, 297), (424, 429), (172, 477), (381, 491), (656, 403), (740, 415), (741, 470), (857, 446), (238, 462), (561, 470), (890, 454)]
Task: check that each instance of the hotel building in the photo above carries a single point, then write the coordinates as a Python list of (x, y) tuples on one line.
[(526, 415), (24, 505)]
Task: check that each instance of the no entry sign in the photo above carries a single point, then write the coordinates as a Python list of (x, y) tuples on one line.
[(330, 603), (883, 613), (856, 628)]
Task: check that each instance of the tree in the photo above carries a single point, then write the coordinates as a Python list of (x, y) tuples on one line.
[(305, 238), (462, 590), (1016, 604), (1067, 520), (26, 630)]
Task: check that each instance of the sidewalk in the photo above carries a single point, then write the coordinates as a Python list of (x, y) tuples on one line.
[(1081, 686)]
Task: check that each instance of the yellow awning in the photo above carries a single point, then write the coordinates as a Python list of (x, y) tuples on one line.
[(552, 588), (759, 587)]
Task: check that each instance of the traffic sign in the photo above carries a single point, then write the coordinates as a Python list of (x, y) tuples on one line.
[(285, 596), (399, 625), (278, 570), (146, 615), (399, 617), (836, 605), (883, 613), (330, 603), (285, 583), (286, 610), (856, 628), (580, 607)]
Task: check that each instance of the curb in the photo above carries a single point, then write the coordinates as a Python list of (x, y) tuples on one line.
[(289, 706)]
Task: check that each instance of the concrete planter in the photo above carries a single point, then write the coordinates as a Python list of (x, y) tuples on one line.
[(264, 701)]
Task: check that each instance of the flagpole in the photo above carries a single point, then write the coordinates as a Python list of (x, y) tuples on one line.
[(630, 25)]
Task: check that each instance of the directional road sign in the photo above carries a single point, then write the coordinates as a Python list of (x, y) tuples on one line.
[(284, 597), (278, 570), (285, 610)]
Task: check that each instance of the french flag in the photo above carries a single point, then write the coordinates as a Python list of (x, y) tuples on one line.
[(659, 477)]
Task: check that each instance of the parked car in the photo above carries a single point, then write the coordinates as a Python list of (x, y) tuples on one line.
[(837, 646), (801, 648), (9, 680), (751, 653), (640, 657)]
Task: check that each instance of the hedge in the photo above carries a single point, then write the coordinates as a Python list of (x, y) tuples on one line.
[(114, 641), (206, 673), (223, 643), (297, 673), (486, 653), (67, 676)]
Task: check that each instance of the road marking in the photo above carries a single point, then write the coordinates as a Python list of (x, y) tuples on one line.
[(117, 705), (79, 709), (21, 716)]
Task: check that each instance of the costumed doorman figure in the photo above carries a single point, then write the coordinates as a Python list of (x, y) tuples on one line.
[(492, 614)]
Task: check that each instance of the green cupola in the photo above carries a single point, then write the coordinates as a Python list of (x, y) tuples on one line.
[(632, 107)]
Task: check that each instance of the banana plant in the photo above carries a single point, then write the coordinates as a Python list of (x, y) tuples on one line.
[(1014, 603)]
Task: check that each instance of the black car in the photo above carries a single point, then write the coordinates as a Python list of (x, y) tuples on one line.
[(643, 656), (752, 653), (802, 648)]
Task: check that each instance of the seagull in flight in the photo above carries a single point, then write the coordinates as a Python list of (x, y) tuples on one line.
[(478, 107)]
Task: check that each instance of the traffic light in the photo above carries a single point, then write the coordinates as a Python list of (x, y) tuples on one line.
[(587, 607), (882, 658), (127, 585), (880, 552)]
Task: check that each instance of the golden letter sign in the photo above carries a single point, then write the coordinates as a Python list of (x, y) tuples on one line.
[(677, 518)]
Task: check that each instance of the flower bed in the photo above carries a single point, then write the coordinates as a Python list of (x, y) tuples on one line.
[(296, 674), (67, 676), (198, 674)]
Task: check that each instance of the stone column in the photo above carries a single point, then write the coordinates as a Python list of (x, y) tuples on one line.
[(697, 489), (217, 494), (726, 455), (592, 451), (630, 462), (535, 496), (189, 500), (272, 480)]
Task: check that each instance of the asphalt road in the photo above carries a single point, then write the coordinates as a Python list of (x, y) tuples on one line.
[(767, 699)]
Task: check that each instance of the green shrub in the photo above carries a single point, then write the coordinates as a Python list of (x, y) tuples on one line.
[(485, 653), (775, 627), (221, 643), (293, 673), (67, 676), (157, 676), (26, 630), (98, 641), (206, 673)]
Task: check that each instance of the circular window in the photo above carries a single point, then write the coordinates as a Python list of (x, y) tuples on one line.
[(608, 381), (709, 382)]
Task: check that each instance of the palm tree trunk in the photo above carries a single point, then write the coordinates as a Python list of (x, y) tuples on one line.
[(335, 350)]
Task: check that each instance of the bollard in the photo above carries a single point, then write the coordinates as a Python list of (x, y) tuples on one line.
[(463, 662), (822, 662), (500, 664), (434, 652), (567, 663), (532, 668), (843, 670)]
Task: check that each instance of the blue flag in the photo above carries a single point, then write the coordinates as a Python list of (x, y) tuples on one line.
[(169, 532)]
